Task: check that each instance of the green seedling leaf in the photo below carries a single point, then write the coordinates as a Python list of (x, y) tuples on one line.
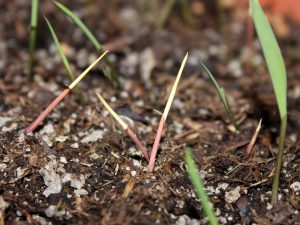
[(80, 24), (221, 93), (32, 35), (107, 74), (91, 36), (277, 72), (61, 52), (272, 55), (165, 12), (199, 187)]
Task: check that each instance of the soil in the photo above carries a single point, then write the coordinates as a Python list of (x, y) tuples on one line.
[(79, 167)]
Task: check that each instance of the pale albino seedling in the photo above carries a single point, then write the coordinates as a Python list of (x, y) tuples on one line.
[(58, 99), (124, 126), (161, 124), (164, 117)]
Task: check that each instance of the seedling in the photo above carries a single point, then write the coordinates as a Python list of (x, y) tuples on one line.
[(164, 117), (168, 7), (32, 37), (78, 22), (222, 95), (124, 126), (186, 12), (60, 51), (58, 99), (199, 187), (161, 124), (253, 139), (277, 72), (164, 14)]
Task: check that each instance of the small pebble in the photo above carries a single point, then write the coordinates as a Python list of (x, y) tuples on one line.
[(75, 145)]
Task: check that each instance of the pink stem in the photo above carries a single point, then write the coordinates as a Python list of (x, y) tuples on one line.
[(156, 144), (138, 143), (252, 143), (42, 116)]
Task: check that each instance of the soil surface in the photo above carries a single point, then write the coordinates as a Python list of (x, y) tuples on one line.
[(79, 167)]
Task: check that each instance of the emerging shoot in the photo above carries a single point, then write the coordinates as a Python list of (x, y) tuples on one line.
[(58, 99), (124, 126), (91, 37), (61, 52), (165, 12), (199, 187), (277, 72), (222, 95), (164, 117), (32, 37), (253, 139)]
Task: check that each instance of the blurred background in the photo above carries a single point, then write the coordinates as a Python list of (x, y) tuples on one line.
[(152, 31)]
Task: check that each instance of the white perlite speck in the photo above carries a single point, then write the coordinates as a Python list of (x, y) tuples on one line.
[(3, 166), (233, 195), (41, 220), (51, 178), (80, 192), (77, 181), (3, 206), (93, 136), (295, 186), (185, 220), (75, 145), (48, 129), (4, 120)]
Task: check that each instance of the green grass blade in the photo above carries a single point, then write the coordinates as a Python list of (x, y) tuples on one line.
[(277, 72), (272, 55), (32, 35), (186, 12), (165, 13), (61, 53), (199, 187), (107, 74), (80, 24), (92, 38), (221, 93)]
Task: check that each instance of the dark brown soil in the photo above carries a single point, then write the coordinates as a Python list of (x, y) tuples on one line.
[(103, 177)]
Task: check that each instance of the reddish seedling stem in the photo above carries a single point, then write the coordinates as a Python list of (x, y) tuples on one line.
[(58, 99), (124, 126), (156, 144), (43, 115), (138, 143), (164, 117)]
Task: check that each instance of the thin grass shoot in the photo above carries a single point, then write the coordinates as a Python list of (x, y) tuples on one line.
[(78, 22), (164, 13), (164, 117), (277, 71), (60, 51), (60, 97), (124, 126), (253, 139), (32, 36), (222, 95), (199, 187)]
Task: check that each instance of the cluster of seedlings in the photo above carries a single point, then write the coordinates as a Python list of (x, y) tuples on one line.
[(274, 63)]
